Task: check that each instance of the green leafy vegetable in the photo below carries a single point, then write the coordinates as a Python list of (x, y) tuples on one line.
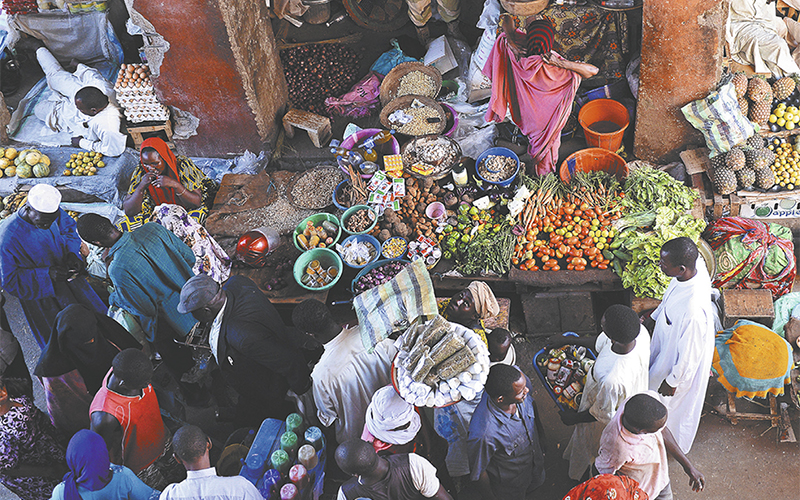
[(488, 251), (647, 188)]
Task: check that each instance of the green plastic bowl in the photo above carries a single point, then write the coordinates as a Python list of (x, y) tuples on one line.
[(316, 219), (355, 208), (326, 258)]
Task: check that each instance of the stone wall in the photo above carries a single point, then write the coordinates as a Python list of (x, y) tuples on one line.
[(682, 52), (222, 66)]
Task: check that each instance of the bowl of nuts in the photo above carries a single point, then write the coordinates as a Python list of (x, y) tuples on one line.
[(359, 219), (498, 166), (394, 248)]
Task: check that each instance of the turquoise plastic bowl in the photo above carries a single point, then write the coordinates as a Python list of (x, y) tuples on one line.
[(355, 208), (316, 219), (364, 238), (326, 258)]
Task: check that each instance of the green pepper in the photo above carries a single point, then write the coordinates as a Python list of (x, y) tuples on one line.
[(447, 255), (473, 211), (448, 228), (465, 238), (461, 226), (462, 209)]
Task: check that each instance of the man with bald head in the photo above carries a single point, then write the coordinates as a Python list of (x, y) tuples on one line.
[(40, 261), (683, 339), (404, 476)]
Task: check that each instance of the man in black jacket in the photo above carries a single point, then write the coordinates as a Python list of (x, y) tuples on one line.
[(258, 354)]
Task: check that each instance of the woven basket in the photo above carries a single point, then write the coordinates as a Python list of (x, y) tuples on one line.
[(404, 102), (524, 9), (391, 83)]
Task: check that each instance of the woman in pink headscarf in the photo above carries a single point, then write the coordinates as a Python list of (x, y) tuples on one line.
[(536, 84)]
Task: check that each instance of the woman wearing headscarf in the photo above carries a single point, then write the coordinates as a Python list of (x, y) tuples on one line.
[(92, 476), (607, 486), (470, 307), (536, 84), (75, 360), (162, 178)]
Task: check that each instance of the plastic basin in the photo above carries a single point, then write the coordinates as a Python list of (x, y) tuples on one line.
[(388, 148), (593, 159), (386, 244), (370, 267), (498, 151), (316, 219), (350, 211), (363, 238), (604, 110), (326, 257)]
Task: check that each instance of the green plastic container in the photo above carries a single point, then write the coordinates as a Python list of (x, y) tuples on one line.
[(326, 257), (350, 211), (316, 219)]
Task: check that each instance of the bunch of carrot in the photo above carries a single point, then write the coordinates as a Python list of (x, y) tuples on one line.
[(567, 226)]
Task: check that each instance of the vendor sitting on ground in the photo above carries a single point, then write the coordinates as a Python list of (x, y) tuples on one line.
[(536, 84), (758, 37), (164, 178), (471, 306), (80, 106)]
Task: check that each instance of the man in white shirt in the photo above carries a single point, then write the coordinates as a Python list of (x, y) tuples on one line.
[(191, 447), (82, 104), (683, 339), (346, 376), (621, 370), (399, 477)]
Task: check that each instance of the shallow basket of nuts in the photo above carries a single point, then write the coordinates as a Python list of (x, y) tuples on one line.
[(359, 219), (427, 115), (410, 78), (437, 151)]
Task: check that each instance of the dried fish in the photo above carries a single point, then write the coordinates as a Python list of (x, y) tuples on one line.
[(456, 363), (447, 346), (414, 356), (422, 369)]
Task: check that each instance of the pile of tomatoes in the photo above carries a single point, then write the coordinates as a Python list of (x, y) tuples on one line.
[(570, 236)]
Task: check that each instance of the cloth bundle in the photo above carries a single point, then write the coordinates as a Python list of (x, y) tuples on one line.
[(752, 254), (362, 99)]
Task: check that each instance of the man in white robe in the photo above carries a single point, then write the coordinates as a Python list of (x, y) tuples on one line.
[(83, 105), (621, 370), (683, 339), (758, 37)]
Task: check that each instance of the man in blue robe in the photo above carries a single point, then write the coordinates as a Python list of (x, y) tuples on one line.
[(40, 261)]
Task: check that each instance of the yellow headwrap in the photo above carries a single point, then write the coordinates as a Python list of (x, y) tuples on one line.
[(485, 303)]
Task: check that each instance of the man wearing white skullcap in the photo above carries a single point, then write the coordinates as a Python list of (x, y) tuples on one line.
[(40, 261)]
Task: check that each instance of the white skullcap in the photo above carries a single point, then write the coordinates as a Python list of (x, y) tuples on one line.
[(44, 198)]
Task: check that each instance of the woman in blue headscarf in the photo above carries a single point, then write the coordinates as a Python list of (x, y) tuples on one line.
[(92, 476)]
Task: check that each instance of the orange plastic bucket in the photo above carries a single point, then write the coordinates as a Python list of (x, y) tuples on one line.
[(609, 112), (593, 159)]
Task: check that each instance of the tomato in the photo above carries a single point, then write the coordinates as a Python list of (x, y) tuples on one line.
[(515, 261), (555, 268), (534, 268), (529, 245), (602, 266), (530, 263), (580, 268)]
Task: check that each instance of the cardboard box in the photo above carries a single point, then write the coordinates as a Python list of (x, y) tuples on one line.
[(440, 55)]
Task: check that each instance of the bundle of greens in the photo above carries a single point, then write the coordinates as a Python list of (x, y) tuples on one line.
[(647, 188), (488, 252), (637, 251)]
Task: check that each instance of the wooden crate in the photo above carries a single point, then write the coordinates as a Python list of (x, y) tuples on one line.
[(753, 305), (137, 132), (698, 167)]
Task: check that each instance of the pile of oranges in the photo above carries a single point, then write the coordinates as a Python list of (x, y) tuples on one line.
[(572, 235)]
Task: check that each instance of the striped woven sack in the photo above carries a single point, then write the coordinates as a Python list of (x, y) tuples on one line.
[(720, 120), (395, 304)]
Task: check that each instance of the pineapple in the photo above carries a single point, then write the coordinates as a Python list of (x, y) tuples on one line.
[(765, 178), (719, 161), (783, 88), (744, 105), (759, 158), (755, 141), (760, 111), (736, 159), (740, 84), (724, 181), (746, 177), (758, 89)]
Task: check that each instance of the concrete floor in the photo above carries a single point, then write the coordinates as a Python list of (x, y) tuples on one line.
[(737, 460)]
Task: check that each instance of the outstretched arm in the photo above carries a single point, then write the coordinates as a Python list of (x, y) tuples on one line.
[(696, 479), (585, 70)]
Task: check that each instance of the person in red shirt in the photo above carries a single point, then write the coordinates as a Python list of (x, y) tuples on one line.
[(125, 413)]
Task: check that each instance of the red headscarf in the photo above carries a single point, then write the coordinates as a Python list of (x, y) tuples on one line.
[(607, 487), (163, 194)]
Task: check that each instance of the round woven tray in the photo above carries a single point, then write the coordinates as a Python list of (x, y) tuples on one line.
[(404, 102), (441, 170), (391, 83), (524, 8)]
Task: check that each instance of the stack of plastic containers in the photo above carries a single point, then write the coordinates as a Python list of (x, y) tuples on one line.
[(287, 460)]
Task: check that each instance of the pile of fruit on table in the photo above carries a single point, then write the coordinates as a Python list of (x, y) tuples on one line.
[(24, 164), (84, 163)]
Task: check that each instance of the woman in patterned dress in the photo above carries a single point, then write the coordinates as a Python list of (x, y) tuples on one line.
[(32, 461)]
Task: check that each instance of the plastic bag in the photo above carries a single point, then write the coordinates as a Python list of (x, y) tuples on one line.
[(463, 55), (360, 101), (389, 59)]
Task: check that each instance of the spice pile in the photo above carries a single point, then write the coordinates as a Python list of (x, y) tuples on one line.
[(315, 72), (416, 83), (314, 187), (440, 362), (20, 6), (418, 119)]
